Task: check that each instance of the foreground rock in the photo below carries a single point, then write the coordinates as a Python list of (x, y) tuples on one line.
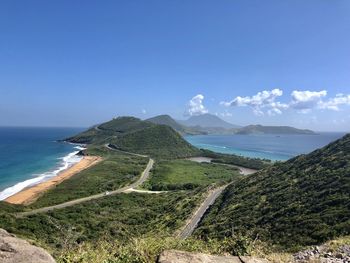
[(324, 254), (175, 256), (15, 250)]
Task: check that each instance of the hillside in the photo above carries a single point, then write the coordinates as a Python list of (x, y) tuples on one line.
[(303, 201), (135, 135), (158, 141), (166, 120), (115, 127), (208, 121), (260, 129)]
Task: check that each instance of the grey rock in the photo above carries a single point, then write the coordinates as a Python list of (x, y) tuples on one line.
[(16, 250)]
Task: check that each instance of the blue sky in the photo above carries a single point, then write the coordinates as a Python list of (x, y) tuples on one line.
[(76, 63)]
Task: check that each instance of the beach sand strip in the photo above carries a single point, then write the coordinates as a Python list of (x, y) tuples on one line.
[(30, 194)]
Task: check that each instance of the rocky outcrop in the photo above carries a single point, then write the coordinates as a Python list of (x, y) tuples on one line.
[(175, 256), (324, 254), (16, 250)]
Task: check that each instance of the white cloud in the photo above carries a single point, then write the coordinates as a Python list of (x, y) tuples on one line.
[(264, 100), (304, 101), (195, 106), (334, 103), (144, 111)]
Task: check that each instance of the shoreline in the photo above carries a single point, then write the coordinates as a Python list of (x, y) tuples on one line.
[(30, 194)]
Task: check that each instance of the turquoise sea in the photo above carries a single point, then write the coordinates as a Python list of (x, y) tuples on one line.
[(31, 155), (273, 147)]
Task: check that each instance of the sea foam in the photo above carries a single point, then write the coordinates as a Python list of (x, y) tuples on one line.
[(66, 162)]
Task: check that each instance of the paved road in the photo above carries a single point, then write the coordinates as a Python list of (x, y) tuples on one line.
[(243, 170), (128, 188), (107, 145), (197, 216)]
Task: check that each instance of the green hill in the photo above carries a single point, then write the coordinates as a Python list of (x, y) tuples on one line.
[(123, 125), (167, 120), (260, 129), (158, 141), (303, 201), (134, 135)]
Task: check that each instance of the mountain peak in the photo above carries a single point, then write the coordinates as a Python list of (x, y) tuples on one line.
[(208, 120)]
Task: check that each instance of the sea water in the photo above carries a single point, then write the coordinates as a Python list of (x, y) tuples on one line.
[(272, 147), (29, 156)]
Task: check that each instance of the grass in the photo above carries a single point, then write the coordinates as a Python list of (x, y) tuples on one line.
[(158, 141), (298, 203), (184, 174), (120, 217), (115, 171), (252, 163), (138, 250)]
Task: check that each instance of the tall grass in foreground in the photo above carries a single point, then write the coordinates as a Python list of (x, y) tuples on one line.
[(144, 250), (148, 249)]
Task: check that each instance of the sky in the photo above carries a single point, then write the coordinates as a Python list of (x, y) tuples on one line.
[(272, 62)]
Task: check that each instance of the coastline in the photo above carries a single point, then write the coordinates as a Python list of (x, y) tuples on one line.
[(31, 193)]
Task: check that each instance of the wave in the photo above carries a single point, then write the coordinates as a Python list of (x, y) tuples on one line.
[(211, 145), (66, 162)]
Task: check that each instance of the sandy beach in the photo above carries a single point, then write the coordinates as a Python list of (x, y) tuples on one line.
[(30, 194)]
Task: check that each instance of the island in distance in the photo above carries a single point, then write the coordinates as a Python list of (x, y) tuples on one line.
[(212, 124)]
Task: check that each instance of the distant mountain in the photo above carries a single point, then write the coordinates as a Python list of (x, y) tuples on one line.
[(208, 121), (260, 129), (166, 120), (169, 121), (135, 135), (304, 201)]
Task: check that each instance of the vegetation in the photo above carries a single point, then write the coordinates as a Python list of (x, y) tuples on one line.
[(256, 129), (167, 120), (183, 174), (147, 249), (124, 125), (134, 135), (252, 163), (158, 141), (114, 171), (301, 202), (119, 217)]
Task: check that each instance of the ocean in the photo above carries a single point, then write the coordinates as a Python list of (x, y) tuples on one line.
[(32, 155), (272, 147)]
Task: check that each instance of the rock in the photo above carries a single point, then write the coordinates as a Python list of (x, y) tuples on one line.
[(175, 256), (16, 250)]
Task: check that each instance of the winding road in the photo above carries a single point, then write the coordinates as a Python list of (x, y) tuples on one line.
[(212, 196), (197, 216), (126, 189)]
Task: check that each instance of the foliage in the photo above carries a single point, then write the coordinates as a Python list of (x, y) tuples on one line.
[(119, 217), (124, 125), (134, 135), (252, 163), (301, 202), (114, 171), (159, 141), (147, 249), (256, 129), (167, 120), (184, 174)]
